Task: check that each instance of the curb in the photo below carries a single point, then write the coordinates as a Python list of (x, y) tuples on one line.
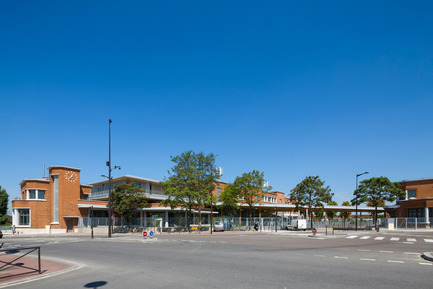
[(428, 256)]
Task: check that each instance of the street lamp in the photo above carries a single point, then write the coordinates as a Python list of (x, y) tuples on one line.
[(110, 205), (356, 195)]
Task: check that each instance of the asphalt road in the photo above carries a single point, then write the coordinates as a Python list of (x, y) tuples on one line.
[(239, 260)]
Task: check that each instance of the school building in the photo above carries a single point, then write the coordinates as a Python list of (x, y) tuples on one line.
[(59, 203), (418, 202)]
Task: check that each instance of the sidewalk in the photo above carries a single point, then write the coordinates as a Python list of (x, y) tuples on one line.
[(13, 270)]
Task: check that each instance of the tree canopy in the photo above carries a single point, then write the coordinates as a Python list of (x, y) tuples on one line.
[(331, 214), (191, 181), (377, 191), (345, 214), (127, 199), (4, 200), (250, 187), (229, 200), (311, 193)]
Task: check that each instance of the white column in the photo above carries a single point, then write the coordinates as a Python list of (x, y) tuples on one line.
[(166, 219), (427, 218)]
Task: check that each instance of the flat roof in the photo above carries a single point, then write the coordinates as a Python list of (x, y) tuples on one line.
[(63, 167)]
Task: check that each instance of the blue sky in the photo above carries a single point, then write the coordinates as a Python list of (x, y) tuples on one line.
[(291, 88)]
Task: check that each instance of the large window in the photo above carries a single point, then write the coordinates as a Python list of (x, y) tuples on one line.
[(35, 194), (24, 217), (411, 194), (416, 213)]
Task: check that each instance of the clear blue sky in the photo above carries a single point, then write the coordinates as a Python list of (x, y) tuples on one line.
[(291, 88)]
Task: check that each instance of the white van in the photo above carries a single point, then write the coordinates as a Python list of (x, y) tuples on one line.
[(298, 224)]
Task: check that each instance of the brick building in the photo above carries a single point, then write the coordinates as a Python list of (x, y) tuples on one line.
[(418, 202), (52, 204)]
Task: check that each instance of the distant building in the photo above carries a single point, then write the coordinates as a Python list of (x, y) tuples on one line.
[(418, 202)]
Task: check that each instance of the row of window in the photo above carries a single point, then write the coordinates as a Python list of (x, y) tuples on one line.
[(35, 194), (269, 199)]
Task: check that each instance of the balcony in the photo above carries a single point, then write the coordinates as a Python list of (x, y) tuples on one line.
[(104, 194)]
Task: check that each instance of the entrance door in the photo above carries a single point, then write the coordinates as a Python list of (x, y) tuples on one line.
[(69, 225)]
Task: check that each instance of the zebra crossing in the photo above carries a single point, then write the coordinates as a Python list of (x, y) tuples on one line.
[(394, 239)]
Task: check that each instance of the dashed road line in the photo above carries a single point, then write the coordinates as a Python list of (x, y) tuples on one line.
[(425, 264), (364, 250), (395, 239), (339, 257), (395, 261), (390, 252), (379, 238), (366, 259), (351, 237), (365, 237), (411, 239), (428, 240), (319, 255), (412, 253)]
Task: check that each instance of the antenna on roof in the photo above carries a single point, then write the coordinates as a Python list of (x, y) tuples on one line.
[(220, 171), (43, 171)]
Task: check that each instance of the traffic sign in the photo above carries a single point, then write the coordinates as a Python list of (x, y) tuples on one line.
[(144, 234), (314, 230), (154, 217), (151, 233)]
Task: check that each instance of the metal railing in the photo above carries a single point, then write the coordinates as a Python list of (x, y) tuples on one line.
[(16, 250)]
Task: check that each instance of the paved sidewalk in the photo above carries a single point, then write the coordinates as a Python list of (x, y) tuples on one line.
[(13, 270)]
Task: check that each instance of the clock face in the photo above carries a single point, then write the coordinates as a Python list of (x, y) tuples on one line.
[(71, 176)]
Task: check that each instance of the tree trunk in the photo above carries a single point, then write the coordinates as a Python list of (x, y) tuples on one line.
[(249, 221)]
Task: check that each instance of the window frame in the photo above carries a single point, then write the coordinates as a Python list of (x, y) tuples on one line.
[(29, 217), (36, 194)]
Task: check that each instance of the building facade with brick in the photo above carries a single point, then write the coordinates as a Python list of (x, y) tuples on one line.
[(54, 204)]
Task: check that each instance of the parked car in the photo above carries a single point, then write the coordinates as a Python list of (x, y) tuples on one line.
[(218, 226), (298, 224)]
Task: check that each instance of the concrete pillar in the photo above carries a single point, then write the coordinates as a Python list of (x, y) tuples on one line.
[(166, 219), (427, 218)]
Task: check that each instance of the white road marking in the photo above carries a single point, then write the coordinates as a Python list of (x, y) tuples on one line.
[(409, 243), (364, 250), (351, 237), (379, 238), (428, 240), (390, 252), (426, 264), (393, 261), (338, 257), (319, 255), (395, 239), (365, 259), (365, 237), (411, 253), (411, 239)]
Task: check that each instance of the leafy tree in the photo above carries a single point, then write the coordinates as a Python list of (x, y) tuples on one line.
[(345, 214), (376, 191), (331, 214), (4, 200), (191, 182), (127, 199), (311, 193), (229, 200), (250, 188)]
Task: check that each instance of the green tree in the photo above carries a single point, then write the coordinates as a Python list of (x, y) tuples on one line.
[(251, 188), (310, 193), (331, 214), (191, 182), (229, 200), (127, 199), (377, 191), (345, 214), (4, 200)]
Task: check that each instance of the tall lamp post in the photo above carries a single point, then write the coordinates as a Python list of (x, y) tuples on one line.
[(356, 195), (110, 205)]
